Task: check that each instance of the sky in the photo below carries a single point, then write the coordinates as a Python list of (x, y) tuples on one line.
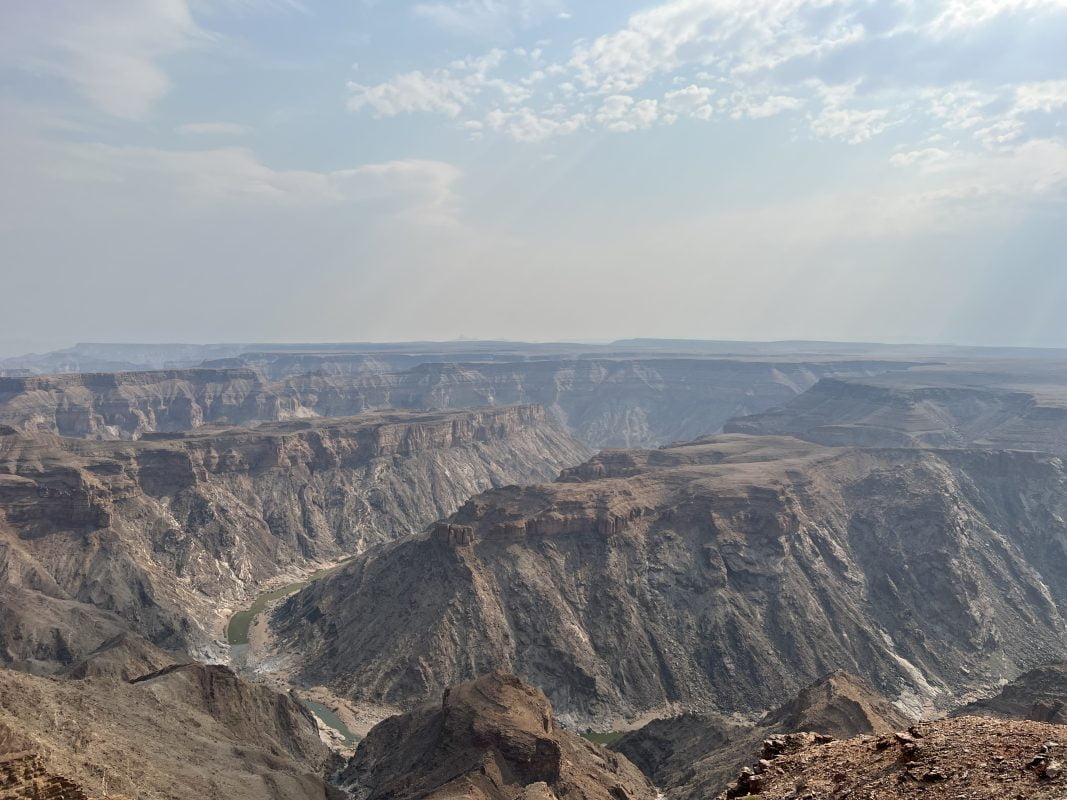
[(372, 170)]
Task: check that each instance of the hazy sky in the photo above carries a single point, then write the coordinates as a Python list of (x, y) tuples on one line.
[(205, 170)]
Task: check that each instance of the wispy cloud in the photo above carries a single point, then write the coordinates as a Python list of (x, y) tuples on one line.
[(220, 179), (111, 52), (489, 18), (449, 90), (821, 62)]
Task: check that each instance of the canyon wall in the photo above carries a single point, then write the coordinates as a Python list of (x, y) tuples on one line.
[(721, 575), (165, 534), (604, 402)]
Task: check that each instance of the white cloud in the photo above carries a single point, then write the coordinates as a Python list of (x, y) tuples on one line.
[(489, 18), (110, 51), (447, 91), (849, 124), (961, 14), (621, 113), (960, 106), (745, 105), (761, 58), (692, 101), (1046, 96), (836, 120), (526, 125), (411, 92), (212, 129), (986, 181), (995, 116), (926, 157), (730, 36)]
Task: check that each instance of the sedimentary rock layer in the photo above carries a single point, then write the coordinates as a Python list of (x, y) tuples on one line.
[(724, 575), (161, 535), (605, 402)]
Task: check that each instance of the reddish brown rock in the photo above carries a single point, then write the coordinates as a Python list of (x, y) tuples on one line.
[(491, 739), (967, 757)]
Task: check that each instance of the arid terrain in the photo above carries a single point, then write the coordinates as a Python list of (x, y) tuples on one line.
[(724, 574), (619, 401), (169, 532), (803, 570)]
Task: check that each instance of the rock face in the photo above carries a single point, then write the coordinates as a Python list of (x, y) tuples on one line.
[(24, 776), (189, 733), (1039, 695), (698, 755), (724, 575), (923, 409), (608, 402), (967, 757), (491, 739), (159, 535), (127, 404), (840, 705)]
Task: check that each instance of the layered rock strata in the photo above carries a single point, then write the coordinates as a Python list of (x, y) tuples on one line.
[(163, 535), (722, 575)]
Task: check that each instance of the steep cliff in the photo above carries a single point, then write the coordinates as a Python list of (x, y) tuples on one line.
[(722, 575), (492, 739), (164, 534), (604, 402), (125, 405)]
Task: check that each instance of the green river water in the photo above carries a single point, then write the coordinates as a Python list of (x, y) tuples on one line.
[(237, 628), (237, 636), (327, 716)]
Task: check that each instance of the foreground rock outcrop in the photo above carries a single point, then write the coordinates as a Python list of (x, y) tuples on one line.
[(698, 755), (968, 757), (491, 739), (725, 574), (604, 402), (189, 733), (25, 776), (162, 536)]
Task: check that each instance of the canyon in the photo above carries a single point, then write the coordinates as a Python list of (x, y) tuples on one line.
[(602, 402), (722, 574), (161, 536), (797, 543)]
